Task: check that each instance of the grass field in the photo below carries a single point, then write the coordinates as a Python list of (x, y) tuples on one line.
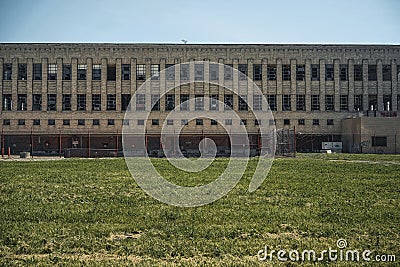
[(91, 212)]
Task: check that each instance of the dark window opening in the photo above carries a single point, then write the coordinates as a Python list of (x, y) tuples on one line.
[(387, 73), (184, 102), (379, 140), (286, 122), (243, 122), (271, 72), (372, 102), (96, 102), (111, 73), (329, 103), (170, 102), (111, 122), (272, 102), (96, 72), (36, 121), (300, 73), (126, 72), (242, 72), (301, 122), (315, 102), (37, 71), (111, 102), (51, 122), (228, 102), (358, 102), (66, 72), (329, 72), (66, 122), (21, 122), (286, 103), (243, 103), (214, 122), (315, 122), (372, 73), (315, 72), (66, 102), (82, 68), (300, 102), (22, 72), (96, 122), (344, 102), (81, 122), (155, 102), (125, 99), (22, 102), (358, 73), (7, 102), (155, 122), (343, 72), (7, 71), (6, 122), (51, 102), (329, 122), (199, 121), (37, 102), (257, 72), (286, 73), (199, 102), (81, 102)]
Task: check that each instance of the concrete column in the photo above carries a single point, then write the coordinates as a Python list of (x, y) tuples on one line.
[(89, 63), (44, 84), (14, 84), (74, 83), (365, 83), (29, 83), (380, 105), (279, 84), (118, 83), (336, 76), (1, 84), (351, 83), (103, 84), (59, 82), (308, 84), (133, 62), (293, 83), (394, 85), (322, 89)]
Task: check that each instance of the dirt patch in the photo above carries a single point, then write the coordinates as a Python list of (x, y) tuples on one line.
[(122, 236)]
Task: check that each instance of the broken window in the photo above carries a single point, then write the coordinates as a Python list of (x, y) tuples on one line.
[(155, 71), (372, 73), (140, 72), (300, 72), (343, 72), (198, 72), (242, 72), (243, 103), (387, 72), (110, 122), (214, 102), (300, 102), (301, 122), (155, 102), (379, 140), (271, 72), (257, 72), (315, 72), (51, 122), (286, 73), (257, 122), (286, 121), (82, 71), (228, 72), (140, 102), (81, 102), (37, 102), (184, 102), (329, 122), (213, 122), (66, 122), (228, 102), (286, 103), (81, 122), (125, 99), (37, 71), (214, 72), (52, 71), (387, 102), (96, 122), (315, 122), (111, 73), (21, 105), (169, 102), (199, 121), (272, 102), (358, 73), (344, 102), (96, 72), (329, 103), (185, 72), (358, 102), (36, 121), (257, 102), (21, 122), (329, 72), (228, 122), (126, 72), (66, 72), (22, 71), (6, 122), (51, 102), (170, 72), (243, 122), (315, 102), (66, 102), (199, 102), (7, 71), (372, 102), (96, 102), (111, 102)]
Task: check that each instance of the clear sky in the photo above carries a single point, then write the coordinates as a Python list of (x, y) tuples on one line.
[(201, 21)]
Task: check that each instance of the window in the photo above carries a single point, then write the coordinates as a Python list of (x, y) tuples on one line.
[(66, 122), (387, 102), (228, 122), (301, 122), (170, 102), (22, 71), (21, 105), (286, 103), (125, 122), (257, 102), (271, 72), (199, 102), (300, 102), (344, 102), (81, 122), (398, 72), (110, 122), (184, 122), (184, 102), (329, 122), (199, 121), (170, 122), (243, 122), (155, 102), (51, 122), (329, 72), (155, 71), (37, 71), (214, 102), (286, 122), (315, 102), (379, 140), (111, 73), (257, 122), (329, 103), (286, 73), (372, 73), (6, 122), (387, 72), (214, 72), (66, 102), (37, 102), (21, 122), (36, 121), (242, 72), (372, 102), (96, 72), (140, 102), (272, 102), (228, 72), (125, 99), (140, 72), (96, 122), (170, 72), (82, 68), (7, 71), (343, 72), (96, 102), (214, 122), (126, 72), (185, 74), (315, 122), (228, 102), (66, 72), (300, 73), (358, 73), (51, 102), (111, 102), (358, 102), (243, 103), (140, 122), (52, 71), (81, 102), (315, 72), (257, 72), (7, 102), (198, 72)]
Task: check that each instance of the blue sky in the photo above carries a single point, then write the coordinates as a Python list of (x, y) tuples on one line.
[(201, 21)]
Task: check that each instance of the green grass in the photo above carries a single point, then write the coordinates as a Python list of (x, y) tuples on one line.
[(91, 212)]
